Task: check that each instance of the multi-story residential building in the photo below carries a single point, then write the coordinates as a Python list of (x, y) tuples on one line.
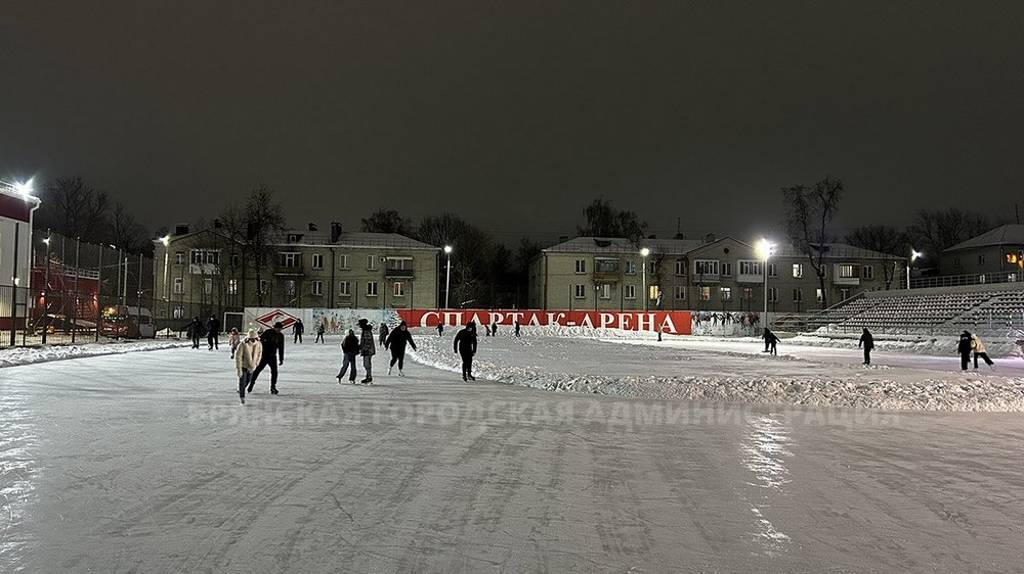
[(714, 275), (999, 251), (205, 272)]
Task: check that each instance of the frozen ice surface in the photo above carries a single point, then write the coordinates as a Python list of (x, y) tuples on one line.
[(145, 462), (27, 355)]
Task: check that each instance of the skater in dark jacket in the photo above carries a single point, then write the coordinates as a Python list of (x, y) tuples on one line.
[(396, 342), (194, 330), (213, 332), (770, 342), (272, 355), (320, 330), (867, 342), (440, 329), (350, 349), (465, 346), (367, 349), (297, 330), (963, 347), (517, 329)]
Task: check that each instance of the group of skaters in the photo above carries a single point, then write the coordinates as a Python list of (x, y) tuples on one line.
[(299, 329)]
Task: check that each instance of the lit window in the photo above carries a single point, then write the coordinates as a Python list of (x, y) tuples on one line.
[(798, 272), (726, 293)]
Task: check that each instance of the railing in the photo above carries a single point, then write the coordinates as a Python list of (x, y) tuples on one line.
[(971, 279), (399, 273)]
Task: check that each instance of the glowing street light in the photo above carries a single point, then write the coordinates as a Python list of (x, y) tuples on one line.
[(644, 252), (765, 250), (448, 274), (914, 256)]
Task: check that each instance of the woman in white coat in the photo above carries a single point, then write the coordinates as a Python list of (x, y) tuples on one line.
[(247, 356)]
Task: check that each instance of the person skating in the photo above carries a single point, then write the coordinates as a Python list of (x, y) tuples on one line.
[(963, 347), (213, 332), (383, 333), (487, 330), (349, 349), (771, 341), (297, 330), (396, 342), (767, 336), (517, 329), (320, 330), (465, 346), (233, 340), (272, 355), (247, 355), (440, 329), (194, 330), (367, 349), (867, 342), (979, 351)]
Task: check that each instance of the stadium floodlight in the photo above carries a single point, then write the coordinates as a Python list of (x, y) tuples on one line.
[(914, 255), (765, 249), (448, 274), (644, 252), (166, 240)]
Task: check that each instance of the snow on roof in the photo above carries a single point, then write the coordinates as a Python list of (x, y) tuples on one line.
[(1003, 235), (835, 251), (353, 239), (619, 245)]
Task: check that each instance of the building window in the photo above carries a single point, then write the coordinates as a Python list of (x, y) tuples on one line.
[(208, 286), (371, 289), (232, 286), (773, 295), (196, 256), (213, 257), (579, 291), (680, 267), (630, 292), (798, 295), (178, 312), (726, 269), (748, 293), (706, 267), (317, 287), (604, 291), (179, 257), (399, 289), (653, 293), (631, 267), (726, 293), (956, 262), (847, 271), (798, 271), (773, 271), (264, 286), (867, 272), (819, 295), (236, 260), (343, 261), (581, 266), (981, 259), (317, 261), (289, 287), (290, 260), (844, 294), (680, 293), (750, 268), (705, 293), (179, 285), (344, 288), (371, 263)]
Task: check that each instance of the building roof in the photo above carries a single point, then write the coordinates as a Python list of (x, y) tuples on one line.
[(835, 251), (619, 246), (318, 238), (1003, 235)]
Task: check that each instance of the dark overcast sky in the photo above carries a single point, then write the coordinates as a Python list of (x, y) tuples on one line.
[(516, 114)]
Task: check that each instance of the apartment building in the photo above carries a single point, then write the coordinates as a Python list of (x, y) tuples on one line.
[(712, 274), (205, 271), (998, 253)]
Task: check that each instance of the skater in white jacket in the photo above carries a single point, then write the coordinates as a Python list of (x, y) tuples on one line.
[(247, 356)]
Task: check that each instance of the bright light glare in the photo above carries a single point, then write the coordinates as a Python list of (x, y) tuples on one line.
[(915, 255), (166, 240), (645, 252), (764, 249), (447, 249)]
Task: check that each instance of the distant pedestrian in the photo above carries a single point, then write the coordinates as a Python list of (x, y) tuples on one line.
[(271, 355), (297, 330), (396, 342), (964, 347), (517, 329), (771, 341), (349, 349), (465, 346), (320, 329), (979, 351), (487, 330), (213, 332), (440, 329), (247, 355), (195, 331), (494, 329), (767, 336), (660, 331), (233, 340), (367, 349), (383, 333), (867, 342)]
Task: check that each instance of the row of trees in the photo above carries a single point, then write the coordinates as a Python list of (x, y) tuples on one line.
[(74, 208)]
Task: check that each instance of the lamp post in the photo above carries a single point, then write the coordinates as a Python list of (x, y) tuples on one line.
[(914, 255), (644, 252), (25, 191), (448, 274), (764, 251), (166, 240), (46, 285)]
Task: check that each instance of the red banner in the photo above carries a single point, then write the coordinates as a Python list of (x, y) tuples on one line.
[(672, 322)]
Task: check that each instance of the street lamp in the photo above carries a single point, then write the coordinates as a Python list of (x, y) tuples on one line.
[(25, 190), (166, 240), (764, 252), (914, 255), (644, 252), (448, 274)]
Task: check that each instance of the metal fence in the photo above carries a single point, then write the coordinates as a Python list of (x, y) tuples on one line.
[(966, 280)]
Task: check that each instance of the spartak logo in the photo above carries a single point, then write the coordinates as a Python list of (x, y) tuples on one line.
[(268, 319)]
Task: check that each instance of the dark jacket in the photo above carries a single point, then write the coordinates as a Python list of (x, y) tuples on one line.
[(213, 326), (964, 346), (298, 328), (273, 344), (770, 337), (194, 328), (350, 346), (465, 342), (367, 348), (320, 329), (867, 341), (397, 341)]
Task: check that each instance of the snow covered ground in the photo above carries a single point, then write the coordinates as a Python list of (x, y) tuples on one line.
[(145, 462), (27, 355), (735, 370)]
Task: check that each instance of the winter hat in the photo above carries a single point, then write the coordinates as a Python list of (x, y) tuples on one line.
[(279, 325), (363, 323), (251, 334)]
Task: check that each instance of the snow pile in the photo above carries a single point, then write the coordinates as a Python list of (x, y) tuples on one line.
[(937, 345), (719, 376), (27, 355)]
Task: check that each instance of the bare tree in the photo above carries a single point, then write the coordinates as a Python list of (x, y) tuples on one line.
[(254, 227), (809, 213), (934, 231), (75, 209), (472, 257), (603, 220), (126, 232), (885, 239), (387, 221)]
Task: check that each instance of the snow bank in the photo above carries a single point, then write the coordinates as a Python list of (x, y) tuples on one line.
[(721, 376), (935, 345), (27, 355)]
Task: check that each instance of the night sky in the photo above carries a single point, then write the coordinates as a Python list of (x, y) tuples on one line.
[(516, 114)]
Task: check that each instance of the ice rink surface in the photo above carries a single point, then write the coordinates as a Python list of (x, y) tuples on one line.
[(145, 462)]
